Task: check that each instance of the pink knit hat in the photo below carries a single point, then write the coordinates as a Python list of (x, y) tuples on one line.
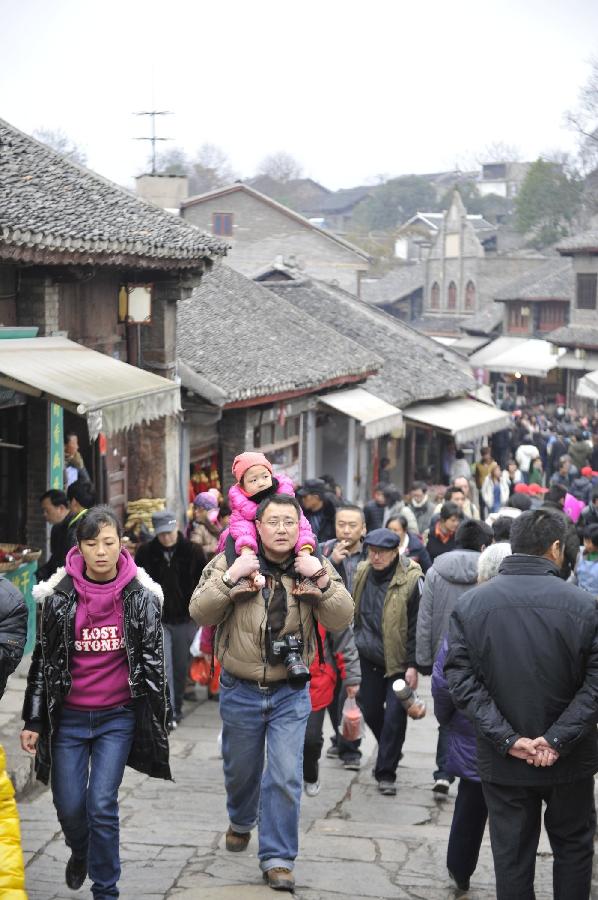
[(245, 461)]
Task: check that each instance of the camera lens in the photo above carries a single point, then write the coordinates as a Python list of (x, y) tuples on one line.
[(297, 672)]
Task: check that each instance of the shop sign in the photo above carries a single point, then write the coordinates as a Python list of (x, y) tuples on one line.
[(56, 479)]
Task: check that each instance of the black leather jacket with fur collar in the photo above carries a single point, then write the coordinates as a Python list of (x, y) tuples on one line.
[(49, 679)]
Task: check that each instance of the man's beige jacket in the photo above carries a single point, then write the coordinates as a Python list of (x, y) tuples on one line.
[(240, 644)]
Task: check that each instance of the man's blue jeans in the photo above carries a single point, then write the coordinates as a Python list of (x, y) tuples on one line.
[(89, 753), (255, 718)]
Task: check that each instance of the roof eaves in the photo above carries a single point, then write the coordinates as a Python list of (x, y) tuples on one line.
[(287, 394), (17, 236), (37, 247)]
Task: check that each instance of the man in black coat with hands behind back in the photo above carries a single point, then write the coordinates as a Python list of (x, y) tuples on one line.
[(523, 666)]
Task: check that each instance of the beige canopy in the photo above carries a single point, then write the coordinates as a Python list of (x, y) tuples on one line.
[(112, 395)]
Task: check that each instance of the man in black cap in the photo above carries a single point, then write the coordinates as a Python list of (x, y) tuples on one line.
[(386, 590), (176, 564), (319, 508)]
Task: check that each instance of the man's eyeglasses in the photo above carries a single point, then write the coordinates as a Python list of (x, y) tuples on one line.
[(287, 524)]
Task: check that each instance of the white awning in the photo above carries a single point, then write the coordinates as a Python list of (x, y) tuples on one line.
[(112, 395), (584, 360), (492, 350), (465, 419), (588, 386), (529, 356), (377, 416)]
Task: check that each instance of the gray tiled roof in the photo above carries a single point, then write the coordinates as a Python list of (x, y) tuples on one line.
[(415, 366), (444, 325), (586, 242), (484, 322), (394, 285), (552, 280), (341, 200), (249, 343), (575, 336), (53, 210), (434, 220), (300, 194)]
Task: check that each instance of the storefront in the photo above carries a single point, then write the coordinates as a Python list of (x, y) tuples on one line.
[(277, 431), (434, 429), (62, 386), (356, 425), (525, 368)]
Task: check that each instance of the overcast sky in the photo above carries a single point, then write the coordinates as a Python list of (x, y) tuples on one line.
[(351, 88)]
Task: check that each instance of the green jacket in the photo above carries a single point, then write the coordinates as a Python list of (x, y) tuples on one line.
[(395, 619)]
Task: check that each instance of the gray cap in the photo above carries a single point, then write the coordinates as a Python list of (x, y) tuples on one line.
[(383, 538), (164, 521)]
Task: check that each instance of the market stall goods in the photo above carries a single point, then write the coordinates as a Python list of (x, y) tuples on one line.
[(14, 555), (139, 514)]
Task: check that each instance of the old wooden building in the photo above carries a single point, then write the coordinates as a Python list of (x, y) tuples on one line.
[(94, 275)]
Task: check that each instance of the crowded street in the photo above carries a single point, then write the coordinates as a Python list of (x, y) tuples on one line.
[(298, 450), (354, 843)]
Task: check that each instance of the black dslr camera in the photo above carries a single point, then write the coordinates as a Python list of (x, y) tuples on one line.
[(288, 650)]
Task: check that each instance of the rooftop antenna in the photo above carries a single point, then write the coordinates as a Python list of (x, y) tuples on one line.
[(153, 113)]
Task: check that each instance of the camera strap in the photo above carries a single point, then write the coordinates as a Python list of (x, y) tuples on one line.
[(319, 642)]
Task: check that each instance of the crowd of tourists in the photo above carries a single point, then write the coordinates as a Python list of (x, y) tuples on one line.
[(310, 606)]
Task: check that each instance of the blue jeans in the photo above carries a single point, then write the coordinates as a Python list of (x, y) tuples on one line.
[(89, 753), (254, 718)]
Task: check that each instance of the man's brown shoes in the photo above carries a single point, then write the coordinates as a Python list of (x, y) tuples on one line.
[(237, 841), (280, 879)]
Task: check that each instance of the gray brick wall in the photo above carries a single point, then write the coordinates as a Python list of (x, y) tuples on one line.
[(582, 265), (489, 274), (38, 303), (262, 233)]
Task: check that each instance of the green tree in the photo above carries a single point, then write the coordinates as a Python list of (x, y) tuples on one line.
[(394, 202), (489, 205), (471, 197), (547, 203)]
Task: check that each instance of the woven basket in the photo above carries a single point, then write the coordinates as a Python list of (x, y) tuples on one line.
[(20, 557)]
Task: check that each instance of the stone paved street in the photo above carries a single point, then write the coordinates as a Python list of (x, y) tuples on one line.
[(354, 844)]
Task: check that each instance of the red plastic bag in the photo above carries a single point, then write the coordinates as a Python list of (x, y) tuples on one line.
[(352, 721), (199, 670)]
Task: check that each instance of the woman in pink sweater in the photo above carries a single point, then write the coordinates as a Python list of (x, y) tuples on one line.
[(96, 694), (255, 482)]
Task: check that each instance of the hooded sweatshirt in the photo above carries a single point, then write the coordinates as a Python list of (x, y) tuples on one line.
[(451, 575), (99, 666)]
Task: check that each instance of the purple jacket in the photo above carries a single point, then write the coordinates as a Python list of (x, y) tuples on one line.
[(461, 757), (242, 520)]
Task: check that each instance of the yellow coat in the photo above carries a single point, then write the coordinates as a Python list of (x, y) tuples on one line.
[(12, 872)]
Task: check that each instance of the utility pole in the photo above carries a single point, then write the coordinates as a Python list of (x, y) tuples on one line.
[(153, 113)]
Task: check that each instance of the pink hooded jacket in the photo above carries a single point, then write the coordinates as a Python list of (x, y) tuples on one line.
[(242, 520)]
